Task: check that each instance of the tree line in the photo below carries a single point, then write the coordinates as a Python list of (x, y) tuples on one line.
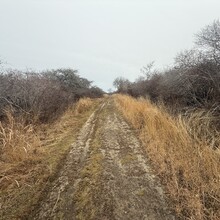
[(192, 81), (42, 96)]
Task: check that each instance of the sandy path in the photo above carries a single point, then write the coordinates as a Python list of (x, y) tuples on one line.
[(106, 176)]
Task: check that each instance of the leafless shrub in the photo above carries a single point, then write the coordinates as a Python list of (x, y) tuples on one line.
[(44, 96), (208, 40), (192, 82), (121, 84)]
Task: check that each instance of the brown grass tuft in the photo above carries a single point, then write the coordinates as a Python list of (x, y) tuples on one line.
[(18, 141), (83, 105), (181, 151)]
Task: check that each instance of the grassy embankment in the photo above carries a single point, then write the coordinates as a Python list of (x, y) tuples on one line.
[(32, 154), (181, 150)]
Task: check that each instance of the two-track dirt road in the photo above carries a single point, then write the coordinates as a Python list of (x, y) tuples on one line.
[(106, 175)]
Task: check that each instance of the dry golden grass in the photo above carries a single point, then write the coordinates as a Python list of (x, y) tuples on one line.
[(181, 151), (17, 140), (83, 105), (31, 154)]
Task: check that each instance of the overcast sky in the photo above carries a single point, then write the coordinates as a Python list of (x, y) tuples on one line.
[(103, 39)]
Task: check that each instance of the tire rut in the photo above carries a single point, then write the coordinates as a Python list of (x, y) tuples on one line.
[(106, 175), (57, 202)]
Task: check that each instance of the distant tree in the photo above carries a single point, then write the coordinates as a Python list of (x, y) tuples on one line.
[(95, 92), (193, 80), (70, 81), (148, 70), (122, 84), (209, 40), (69, 78), (42, 96), (110, 90)]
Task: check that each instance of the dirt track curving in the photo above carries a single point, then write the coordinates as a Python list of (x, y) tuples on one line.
[(106, 176)]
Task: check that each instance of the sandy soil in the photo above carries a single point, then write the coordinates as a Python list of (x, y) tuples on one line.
[(105, 176)]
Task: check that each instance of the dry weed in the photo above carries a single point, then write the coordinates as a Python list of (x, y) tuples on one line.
[(22, 143), (18, 141), (182, 153), (31, 154), (83, 105)]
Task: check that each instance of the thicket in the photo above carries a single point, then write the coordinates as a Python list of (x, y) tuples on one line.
[(44, 96), (193, 82)]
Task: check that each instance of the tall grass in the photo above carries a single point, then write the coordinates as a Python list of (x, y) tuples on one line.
[(31, 154), (181, 151), (18, 141), (83, 105)]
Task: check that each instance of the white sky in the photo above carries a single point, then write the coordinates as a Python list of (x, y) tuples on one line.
[(103, 39)]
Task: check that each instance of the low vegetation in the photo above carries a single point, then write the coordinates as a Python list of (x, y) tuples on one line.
[(40, 116), (30, 102), (177, 116), (42, 97), (32, 156), (175, 112), (191, 84), (181, 150)]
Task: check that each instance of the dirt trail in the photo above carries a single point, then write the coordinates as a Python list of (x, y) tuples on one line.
[(106, 176)]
